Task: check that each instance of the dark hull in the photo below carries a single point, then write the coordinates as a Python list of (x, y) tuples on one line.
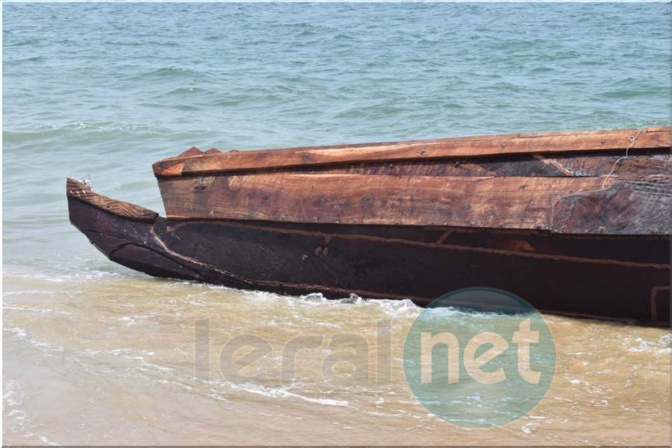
[(619, 277)]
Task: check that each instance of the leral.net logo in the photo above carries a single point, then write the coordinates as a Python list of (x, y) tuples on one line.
[(479, 357)]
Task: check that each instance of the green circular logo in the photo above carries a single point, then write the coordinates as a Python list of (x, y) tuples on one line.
[(479, 357)]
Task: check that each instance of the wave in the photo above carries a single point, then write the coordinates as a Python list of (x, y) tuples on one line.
[(169, 73), (283, 392), (61, 274), (188, 91), (99, 126)]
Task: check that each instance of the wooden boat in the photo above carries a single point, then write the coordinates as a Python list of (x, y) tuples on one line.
[(573, 222)]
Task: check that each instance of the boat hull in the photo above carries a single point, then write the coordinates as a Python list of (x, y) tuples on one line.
[(614, 276)]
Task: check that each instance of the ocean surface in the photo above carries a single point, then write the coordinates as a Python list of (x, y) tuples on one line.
[(94, 353)]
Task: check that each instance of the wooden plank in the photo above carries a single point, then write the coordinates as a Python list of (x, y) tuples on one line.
[(492, 202), (85, 193), (628, 208), (634, 166), (497, 145)]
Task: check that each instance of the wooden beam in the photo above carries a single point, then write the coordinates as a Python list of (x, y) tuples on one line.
[(85, 193), (493, 202), (495, 145)]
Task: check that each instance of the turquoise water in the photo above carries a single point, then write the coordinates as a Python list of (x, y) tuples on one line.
[(107, 89)]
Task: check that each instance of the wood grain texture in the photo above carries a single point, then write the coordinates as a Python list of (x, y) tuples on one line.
[(493, 202), (496, 145), (85, 193), (624, 277), (640, 165), (628, 208)]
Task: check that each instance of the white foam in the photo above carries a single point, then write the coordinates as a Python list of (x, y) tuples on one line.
[(84, 275), (218, 397), (529, 428), (284, 393)]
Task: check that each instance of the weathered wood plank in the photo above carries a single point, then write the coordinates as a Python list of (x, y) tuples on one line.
[(492, 202), (537, 143), (554, 165), (628, 208), (84, 193)]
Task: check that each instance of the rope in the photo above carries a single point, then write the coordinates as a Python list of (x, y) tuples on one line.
[(620, 159)]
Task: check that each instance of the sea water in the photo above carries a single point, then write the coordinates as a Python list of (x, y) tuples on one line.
[(95, 353)]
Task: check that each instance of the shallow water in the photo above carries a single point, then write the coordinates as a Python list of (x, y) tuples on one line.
[(97, 354), (115, 358)]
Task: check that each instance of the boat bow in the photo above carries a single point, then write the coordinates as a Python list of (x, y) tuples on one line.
[(122, 231)]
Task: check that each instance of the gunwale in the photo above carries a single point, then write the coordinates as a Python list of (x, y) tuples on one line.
[(213, 161)]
